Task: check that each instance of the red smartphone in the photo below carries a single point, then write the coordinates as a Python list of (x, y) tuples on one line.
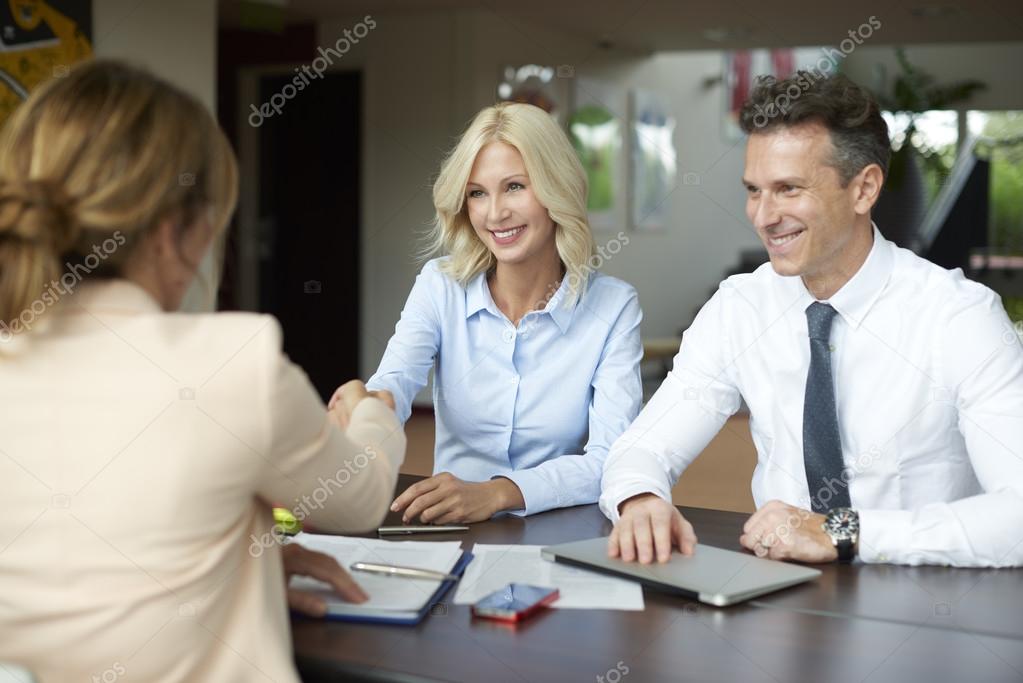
[(514, 602)]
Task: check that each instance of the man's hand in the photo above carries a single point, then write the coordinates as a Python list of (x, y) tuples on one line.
[(446, 499), (299, 560), (782, 532), (649, 526), (348, 395)]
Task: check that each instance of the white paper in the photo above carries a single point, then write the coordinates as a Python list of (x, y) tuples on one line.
[(385, 592), (495, 566)]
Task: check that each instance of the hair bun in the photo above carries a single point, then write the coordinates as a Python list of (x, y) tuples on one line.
[(38, 212)]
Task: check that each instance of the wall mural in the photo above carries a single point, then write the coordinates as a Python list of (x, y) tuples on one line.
[(39, 40)]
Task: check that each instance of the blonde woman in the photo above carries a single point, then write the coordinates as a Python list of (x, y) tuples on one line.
[(536, 355), (139, 447)]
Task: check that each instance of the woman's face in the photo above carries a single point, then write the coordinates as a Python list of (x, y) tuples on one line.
[(503, 210)]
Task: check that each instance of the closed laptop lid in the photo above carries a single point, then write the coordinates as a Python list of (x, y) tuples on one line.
[(711, 575)]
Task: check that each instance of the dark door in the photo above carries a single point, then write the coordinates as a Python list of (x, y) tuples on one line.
[(309, 213)]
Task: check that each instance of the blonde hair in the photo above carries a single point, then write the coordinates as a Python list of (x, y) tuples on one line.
[(107, 151), (558, 181)]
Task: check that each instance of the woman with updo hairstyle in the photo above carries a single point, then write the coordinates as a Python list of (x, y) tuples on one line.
[(140, 448)]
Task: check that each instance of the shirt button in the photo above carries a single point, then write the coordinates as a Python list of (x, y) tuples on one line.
[(831, 348), (508, 335), (514, 380)]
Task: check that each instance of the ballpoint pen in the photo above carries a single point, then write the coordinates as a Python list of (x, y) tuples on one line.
[(402, 572), (405, 530)]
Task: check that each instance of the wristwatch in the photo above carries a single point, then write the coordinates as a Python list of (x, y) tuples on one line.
[(843, 526)]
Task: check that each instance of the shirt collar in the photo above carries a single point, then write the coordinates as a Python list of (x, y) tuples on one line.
[(560, 306), (854, 300), (477, 296)]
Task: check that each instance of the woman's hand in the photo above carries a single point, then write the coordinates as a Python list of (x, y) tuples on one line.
[(305, 562), (446, 499), (342, 403)]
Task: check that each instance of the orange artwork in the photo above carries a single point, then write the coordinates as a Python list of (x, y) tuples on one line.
[(39, 40)]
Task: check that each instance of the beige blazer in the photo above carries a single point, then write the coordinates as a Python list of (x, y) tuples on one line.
[(139, 455)]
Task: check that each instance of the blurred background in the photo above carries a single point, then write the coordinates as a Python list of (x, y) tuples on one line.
[(341, 111)]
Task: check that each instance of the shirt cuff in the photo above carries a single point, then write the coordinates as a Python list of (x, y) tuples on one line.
[(536, 492), (612, 499), (402, 408), (886, 536)]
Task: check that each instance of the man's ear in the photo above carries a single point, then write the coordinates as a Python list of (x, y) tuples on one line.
[(866, 188)]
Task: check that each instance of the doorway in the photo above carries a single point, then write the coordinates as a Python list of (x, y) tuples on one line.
[(305, 206)]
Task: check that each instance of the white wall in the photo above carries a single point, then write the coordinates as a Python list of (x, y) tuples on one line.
[(177, 41)]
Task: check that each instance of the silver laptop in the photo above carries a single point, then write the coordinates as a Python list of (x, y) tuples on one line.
[(711, 575)]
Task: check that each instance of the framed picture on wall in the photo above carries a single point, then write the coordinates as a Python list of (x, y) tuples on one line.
[(596, 129), (743, 67), (653, 162), (39, 40), (547, 87)]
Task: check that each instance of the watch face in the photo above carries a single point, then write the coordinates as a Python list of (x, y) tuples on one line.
[(842, 523)]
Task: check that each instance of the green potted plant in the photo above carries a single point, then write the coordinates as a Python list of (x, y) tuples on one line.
[(903, 204)]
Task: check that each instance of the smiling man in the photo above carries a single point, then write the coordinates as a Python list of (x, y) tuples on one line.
[(885, 393)]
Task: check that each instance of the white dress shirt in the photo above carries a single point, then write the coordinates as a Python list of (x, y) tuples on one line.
[(928, 378)]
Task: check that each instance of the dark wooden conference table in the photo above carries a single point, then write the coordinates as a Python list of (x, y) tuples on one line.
[(855, 623)]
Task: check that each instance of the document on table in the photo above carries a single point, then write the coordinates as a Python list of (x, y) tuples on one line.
[(387, 595), (495, 566)]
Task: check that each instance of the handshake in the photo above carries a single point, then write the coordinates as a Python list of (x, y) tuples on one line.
[(348, 395)]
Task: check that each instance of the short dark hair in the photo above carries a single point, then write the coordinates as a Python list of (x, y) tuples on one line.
[(859, 135)]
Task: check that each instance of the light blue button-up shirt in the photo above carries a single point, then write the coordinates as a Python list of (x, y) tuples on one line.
[(540, 404)]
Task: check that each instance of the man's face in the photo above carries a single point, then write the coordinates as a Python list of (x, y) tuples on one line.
[(797, 204)]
